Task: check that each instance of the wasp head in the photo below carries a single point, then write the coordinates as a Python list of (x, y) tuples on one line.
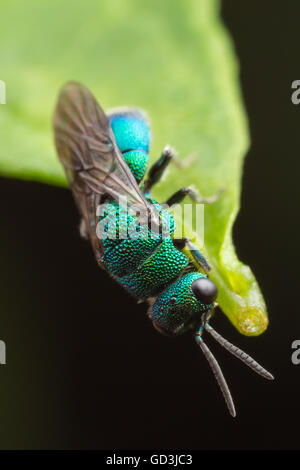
[(181, 306)]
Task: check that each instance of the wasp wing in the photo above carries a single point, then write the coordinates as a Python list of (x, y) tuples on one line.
[(94, 165)]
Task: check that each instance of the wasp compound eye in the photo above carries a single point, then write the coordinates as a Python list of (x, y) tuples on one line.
[(205, 290)]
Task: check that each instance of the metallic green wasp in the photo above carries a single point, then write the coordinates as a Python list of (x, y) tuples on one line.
[(105, 158)]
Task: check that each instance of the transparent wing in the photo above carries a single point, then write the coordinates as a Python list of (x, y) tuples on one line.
[(88, 151)]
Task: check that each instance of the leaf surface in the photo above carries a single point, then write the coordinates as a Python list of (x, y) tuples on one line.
[(172, 58)]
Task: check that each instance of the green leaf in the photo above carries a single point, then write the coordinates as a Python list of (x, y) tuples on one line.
[(172, 58)]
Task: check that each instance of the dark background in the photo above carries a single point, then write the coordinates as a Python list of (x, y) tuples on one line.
[(85, 368)]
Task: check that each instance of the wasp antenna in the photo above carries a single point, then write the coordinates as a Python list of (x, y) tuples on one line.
[(248, 360), (218, 375)]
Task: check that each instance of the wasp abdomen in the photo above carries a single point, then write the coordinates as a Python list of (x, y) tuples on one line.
[(132, 133), (137, 160)]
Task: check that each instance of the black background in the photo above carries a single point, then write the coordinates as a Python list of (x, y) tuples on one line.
[(85, 369)]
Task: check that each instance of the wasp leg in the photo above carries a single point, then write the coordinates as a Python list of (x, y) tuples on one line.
[(197, 256), (178, 197), (158, 168), (184, 163), (83, 230)]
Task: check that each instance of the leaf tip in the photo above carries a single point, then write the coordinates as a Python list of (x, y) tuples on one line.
[(252, 321)]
